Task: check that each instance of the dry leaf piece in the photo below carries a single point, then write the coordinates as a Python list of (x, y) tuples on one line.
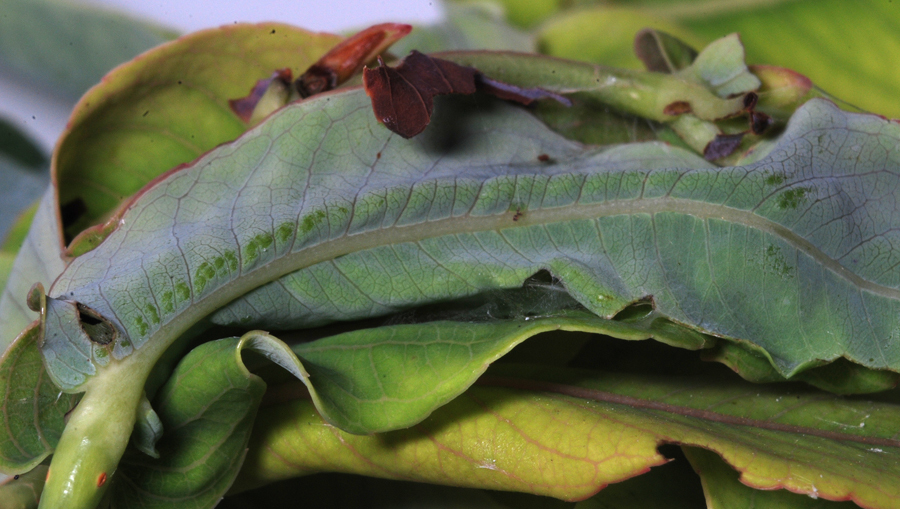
[(349, 57), (403, 97), (334, 68)]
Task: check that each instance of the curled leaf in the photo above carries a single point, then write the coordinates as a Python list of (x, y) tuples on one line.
[(662, 52)]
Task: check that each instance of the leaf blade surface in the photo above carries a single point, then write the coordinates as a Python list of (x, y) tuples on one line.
[(615, 226)]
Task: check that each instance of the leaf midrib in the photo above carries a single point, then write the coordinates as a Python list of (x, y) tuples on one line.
[(331, 249), (686, 411)]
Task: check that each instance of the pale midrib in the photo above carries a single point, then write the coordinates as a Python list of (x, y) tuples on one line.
[(647, 403), (347, 244)]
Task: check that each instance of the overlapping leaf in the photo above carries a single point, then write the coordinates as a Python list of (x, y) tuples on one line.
[(319, 215), (567, 434), (842, 51), (687, 231), (24, 491), (207, 409), (165, 109), (671, 486), (33, 408), (724, 490)]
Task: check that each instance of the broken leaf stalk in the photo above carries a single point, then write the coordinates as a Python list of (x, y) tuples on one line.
[(640, 93)]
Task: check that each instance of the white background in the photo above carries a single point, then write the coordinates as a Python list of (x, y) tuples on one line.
[(44, 117)]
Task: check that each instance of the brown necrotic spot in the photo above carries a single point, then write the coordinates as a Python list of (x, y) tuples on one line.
[(677, 108), (723, 145), (760, 122), (101, 479), (750, 100)]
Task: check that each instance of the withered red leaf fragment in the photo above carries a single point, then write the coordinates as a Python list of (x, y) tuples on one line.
[(403, 97), (334, 68), (348, 57)]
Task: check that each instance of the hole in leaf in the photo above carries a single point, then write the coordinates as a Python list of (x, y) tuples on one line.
[(71, 212), (98, 329)]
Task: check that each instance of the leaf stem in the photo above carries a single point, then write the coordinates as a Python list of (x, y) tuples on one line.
[(95, 437)]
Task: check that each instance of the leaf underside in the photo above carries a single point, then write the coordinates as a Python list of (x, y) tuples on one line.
[(295, 231)]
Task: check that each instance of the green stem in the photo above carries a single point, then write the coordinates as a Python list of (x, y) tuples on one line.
[(95, 438), (641, 93)]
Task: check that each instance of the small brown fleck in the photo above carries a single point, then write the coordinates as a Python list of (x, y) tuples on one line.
[(677, 108), (518, 215), (760, 122), (750, 100), (722, 145), (101, 480), (543, 158)]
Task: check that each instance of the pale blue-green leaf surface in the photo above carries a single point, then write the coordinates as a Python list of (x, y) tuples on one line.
[(321, 214), (39, 260)]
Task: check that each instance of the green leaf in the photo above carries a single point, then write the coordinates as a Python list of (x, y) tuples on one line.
[(596, 124), (33, 408), (337, 491), (23, 176), (689, 244), (206, 409), (39, 260), (567, 433), (605, 34), (661, 52), (24, 491), (19, 149), (66, 48), (639, 93), (476, 26), (721, 67), (843, 51), (669, 486), (320, 214), (164, 109), (838, 377), (523, 13), (724, 490), (392, 377), (14, 240)]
